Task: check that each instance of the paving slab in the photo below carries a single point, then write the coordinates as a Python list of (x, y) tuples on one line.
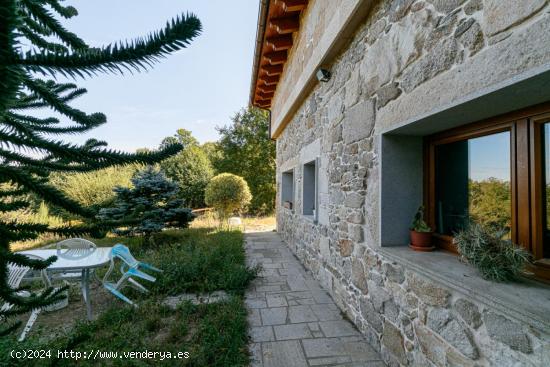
[(276, 300), (255, 354), (338, 328), (255, 303), (283, 354), (261, 333), (292, 331), (274, 316), (357, 350), (302, 313), (293, 321), (196, 298), (253, 317), (326, 313)]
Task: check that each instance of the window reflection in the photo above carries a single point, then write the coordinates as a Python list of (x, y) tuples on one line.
[(473, 183)]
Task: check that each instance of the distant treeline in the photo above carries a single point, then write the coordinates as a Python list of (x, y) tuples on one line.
[(244, 149), (490, 203)]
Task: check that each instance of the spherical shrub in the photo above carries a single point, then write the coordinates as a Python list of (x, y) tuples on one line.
[(228, 194)]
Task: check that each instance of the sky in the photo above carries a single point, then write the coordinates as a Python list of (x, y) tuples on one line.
[(489, 156), (198, 88)]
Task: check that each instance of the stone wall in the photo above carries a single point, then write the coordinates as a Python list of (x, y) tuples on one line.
[(319, 22), (408, 58)]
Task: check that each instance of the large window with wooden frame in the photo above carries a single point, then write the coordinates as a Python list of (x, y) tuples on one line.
[(497, 173)]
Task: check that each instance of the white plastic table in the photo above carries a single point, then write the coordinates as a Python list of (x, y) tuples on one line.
[(96, 258)]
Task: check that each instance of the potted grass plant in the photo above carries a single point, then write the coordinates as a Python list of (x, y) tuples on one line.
[(421, 233), (491, 253)]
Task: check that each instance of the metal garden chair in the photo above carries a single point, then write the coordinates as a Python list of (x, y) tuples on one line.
[(16, 273), (130, 269)]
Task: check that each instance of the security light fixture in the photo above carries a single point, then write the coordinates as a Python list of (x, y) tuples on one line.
[(323, 75)]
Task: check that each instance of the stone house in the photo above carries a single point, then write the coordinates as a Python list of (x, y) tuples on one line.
[(379, 106)]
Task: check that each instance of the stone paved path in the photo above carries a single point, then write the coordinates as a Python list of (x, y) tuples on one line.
[(293, 322)]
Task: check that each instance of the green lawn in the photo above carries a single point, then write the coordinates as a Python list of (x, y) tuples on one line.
[(193, 260)]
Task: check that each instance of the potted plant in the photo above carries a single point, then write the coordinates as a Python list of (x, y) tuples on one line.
[(488, 249), (421, 233)]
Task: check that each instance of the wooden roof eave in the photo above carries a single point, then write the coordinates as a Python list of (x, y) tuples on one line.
[(277, 22), (260, 35)]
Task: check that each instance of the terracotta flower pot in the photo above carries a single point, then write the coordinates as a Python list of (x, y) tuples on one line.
[(421, 241)]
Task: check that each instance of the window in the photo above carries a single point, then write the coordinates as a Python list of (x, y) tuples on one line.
[(495, 172), (545, 135), (287, 189), (310, 188), (472, 181), (540, 202)]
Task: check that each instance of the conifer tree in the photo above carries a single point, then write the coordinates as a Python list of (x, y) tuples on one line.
[(152, 204), (35, 50)]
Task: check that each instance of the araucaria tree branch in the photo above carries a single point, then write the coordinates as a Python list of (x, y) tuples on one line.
[(35, 46)]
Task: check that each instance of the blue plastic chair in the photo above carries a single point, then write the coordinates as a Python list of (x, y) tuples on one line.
[(130, 269)]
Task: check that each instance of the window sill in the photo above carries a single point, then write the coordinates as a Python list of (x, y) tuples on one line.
[(310, 218), (525, 300)]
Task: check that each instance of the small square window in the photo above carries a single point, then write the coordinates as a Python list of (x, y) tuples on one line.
[(287, 189), (310, 189)]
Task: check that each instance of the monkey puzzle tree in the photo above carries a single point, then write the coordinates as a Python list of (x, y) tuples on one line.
[(35, 49)]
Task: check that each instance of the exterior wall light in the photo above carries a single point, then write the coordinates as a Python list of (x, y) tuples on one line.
[(323, 75)]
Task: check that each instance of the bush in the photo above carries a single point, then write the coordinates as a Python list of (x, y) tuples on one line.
[(228, 194), (192, 171), (245, 149), (150, 206), (495, 257), (168, 237), (95, 188)]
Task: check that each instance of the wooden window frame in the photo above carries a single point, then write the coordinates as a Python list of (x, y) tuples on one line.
[(541, 266), (526, 177)]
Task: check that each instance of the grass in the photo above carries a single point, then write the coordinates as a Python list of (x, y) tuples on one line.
[(193, 260), (208, 262), (207, 221), (249, 223)]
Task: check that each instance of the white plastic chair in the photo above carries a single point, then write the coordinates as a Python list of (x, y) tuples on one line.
[(16, 273), (74, 249)]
